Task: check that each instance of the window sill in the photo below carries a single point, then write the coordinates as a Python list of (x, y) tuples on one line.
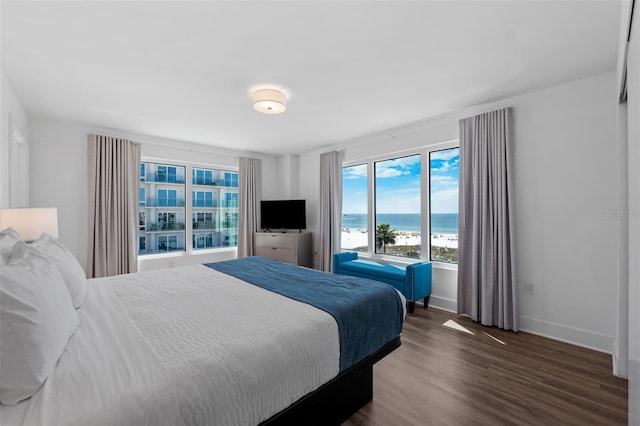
[(405, 261)]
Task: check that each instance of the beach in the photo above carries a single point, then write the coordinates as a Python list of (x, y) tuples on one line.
[(352, 238)]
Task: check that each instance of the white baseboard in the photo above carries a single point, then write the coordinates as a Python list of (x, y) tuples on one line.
[(575, 336), (444, 304), (634, 392)]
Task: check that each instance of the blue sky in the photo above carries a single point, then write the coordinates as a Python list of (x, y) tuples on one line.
[(398, 184)]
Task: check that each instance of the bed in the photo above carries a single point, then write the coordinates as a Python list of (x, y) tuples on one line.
[(247, 341)]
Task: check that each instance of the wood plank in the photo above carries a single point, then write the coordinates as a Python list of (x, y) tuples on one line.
[(444, 376)]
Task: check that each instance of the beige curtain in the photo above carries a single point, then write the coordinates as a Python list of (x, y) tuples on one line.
[(487, 287), (330, 208), (250, 180), (114, 178)]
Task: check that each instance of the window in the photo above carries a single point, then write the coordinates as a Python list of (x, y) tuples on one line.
[(143, 199), (164, 210), (203, 220), (397, 206), (202, 241), (214, 208), (354, 209), (167, 243), (444, 171), (202, 199), (161, 210), (412, 196)]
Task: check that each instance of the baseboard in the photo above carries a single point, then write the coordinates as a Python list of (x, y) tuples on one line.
[(563, 333), (444, 304), (634, 392)]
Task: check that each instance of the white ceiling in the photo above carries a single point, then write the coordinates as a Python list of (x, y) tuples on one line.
[(185, 70)]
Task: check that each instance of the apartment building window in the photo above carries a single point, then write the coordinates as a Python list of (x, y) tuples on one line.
[(202, 199), (413, 196), (167, 243), (163, 208)]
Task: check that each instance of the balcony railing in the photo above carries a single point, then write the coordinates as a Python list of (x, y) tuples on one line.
[(164, 202), (151, 227), (215, 203), (164, 178), (214, 182), (204, 225)]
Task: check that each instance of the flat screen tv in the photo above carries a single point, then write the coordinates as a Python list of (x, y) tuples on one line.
[(283, 214)]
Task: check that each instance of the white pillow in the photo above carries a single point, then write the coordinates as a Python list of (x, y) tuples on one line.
[(8, 239), (36, 321), (65, 261)]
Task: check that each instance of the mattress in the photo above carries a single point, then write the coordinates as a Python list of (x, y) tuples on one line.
[(184, 346)]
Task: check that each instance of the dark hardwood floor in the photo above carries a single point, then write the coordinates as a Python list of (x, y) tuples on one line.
[(441, 376)]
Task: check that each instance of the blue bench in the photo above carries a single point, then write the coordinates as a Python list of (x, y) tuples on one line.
[(413, 281)]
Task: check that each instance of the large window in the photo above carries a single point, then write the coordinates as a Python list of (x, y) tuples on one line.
[(354, 209), (397, 206), (443, 199), (214, 206), (413, 196), (164, 209), (161, 210)]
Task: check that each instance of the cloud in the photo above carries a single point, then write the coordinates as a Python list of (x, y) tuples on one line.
[(445, 201), (355, 172), (397, 166), (440, 181), (387, 172), (445, 154)]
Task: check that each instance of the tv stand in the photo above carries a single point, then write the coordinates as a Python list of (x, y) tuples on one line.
[(289, 247)]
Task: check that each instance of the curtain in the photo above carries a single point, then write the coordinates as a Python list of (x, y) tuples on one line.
[(250, 178), (330, 208), (114, 178), (487, 287)]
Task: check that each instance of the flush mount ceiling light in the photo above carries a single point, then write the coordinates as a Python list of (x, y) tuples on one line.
[(269, 101)]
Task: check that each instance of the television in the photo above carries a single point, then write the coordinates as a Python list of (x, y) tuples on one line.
[(283, 214)]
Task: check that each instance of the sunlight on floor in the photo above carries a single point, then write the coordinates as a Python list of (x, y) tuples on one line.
[(494, 338), (456, 326)]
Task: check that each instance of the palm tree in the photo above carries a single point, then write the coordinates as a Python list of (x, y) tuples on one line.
[(385, 236)]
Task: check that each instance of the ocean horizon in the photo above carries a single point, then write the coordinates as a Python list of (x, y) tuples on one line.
[(441, 223)]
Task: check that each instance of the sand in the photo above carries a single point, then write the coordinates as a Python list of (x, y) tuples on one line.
[(357, 238)]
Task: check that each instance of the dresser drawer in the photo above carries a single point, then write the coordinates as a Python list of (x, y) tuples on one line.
[(281, 254), (275, 240)]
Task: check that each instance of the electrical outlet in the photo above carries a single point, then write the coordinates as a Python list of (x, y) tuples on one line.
[(529, 287)]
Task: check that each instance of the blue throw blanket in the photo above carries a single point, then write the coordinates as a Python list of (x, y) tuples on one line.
[(368, 313)]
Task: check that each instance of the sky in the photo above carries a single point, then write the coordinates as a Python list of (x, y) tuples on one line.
[(397, 184)]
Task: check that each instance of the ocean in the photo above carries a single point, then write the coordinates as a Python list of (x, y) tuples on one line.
[(441, 223)]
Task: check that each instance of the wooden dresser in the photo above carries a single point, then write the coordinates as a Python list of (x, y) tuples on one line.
[(290, 247)]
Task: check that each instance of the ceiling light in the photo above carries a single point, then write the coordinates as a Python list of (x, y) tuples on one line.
[(269, 101)]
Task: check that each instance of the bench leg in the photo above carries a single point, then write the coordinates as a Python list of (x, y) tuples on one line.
[(411, 306), (426, 302)]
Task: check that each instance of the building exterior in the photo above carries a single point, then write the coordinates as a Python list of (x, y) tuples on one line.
[(164, 207)]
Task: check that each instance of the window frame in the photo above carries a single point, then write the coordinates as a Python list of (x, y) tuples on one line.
[(188, 207), (425, 190)]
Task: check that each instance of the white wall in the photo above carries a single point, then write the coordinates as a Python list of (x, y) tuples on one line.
[(566, 184), (10, 106), (633, 213), (58, 178), (288, 177)]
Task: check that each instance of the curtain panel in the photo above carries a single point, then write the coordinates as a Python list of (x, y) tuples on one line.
[(114, 177), (330, 208), (487, 287), (250, 179)]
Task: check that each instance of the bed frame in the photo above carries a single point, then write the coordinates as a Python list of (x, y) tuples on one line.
[(337, 400)]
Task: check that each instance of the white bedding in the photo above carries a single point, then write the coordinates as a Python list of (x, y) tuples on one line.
[(185, 346)]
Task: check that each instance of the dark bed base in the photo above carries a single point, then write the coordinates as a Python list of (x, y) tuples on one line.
[(338, 399)]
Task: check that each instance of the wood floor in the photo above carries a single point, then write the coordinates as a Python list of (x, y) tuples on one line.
[(441, 376)]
